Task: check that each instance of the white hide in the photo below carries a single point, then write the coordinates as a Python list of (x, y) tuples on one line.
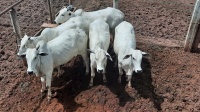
[(65, 12), (99, 40), (110, 15), (30, 42), (129, 59), (51, 33), (42, 59)]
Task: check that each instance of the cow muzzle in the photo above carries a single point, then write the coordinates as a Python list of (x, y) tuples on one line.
[(20, 56), (56, 22), (139, 71), (100, 71), (30, 72)]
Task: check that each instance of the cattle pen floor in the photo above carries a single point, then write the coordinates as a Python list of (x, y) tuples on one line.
[(170, 81)]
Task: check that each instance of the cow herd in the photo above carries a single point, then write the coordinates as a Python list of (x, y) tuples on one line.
[(78, 33)]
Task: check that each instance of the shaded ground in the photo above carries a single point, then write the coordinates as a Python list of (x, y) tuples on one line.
[(170, 81)]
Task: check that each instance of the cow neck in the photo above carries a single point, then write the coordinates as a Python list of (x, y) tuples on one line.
[(99, 45), (40, 63)]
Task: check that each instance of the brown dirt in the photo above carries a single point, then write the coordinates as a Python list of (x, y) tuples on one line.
[(170, 81)]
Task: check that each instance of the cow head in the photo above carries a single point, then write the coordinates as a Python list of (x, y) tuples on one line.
[(134, 59), (26, 42), (33, 58), (64, 14), (100, 57)]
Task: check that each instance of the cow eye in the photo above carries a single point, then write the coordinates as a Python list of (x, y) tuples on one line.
[(62, 15), (35, 58), (25, 46)]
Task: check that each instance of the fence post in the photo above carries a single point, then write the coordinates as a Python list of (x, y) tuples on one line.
[(51, 11), (192, 38), (17, 31), (70, 2), (13, 16), (115, 4)]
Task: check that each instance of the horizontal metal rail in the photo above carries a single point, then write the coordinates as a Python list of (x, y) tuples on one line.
[(10, 7)]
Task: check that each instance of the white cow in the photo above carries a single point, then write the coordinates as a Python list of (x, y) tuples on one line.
[(51, 33), (42, 59), (99, 40), (110, 15), (129, 59)]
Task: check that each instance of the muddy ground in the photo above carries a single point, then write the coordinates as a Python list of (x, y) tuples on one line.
[(170, 81)]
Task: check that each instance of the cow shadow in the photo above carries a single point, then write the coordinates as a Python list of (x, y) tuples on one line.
[(73, 81), (70, 83), (119, 89), (112, 83), (143, 84)]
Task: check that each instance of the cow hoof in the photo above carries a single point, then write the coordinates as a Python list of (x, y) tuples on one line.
[(54, 94), (119, 79), (129, 87), (87, 73), (43, 90), (42, 95), (48, 99), (91, 84)]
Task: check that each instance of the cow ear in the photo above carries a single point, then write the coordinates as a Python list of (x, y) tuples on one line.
[(69, 6), (23, 55), (73, 9), (20, 41), (144, 53), (57, 14), (127, 56), (120, 63), (90, 51), (37, 48), (109, 57), (43, 54), (30, 39)]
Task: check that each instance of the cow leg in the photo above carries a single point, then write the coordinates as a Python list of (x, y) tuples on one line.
[(37, 74), (92, 75), (129, 81), (104, 78), (48, 85), (113, 35), (129, 77), (43, 84), (59, 71), (42, 78), (86, 60), (120, 73), (115, 64)]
